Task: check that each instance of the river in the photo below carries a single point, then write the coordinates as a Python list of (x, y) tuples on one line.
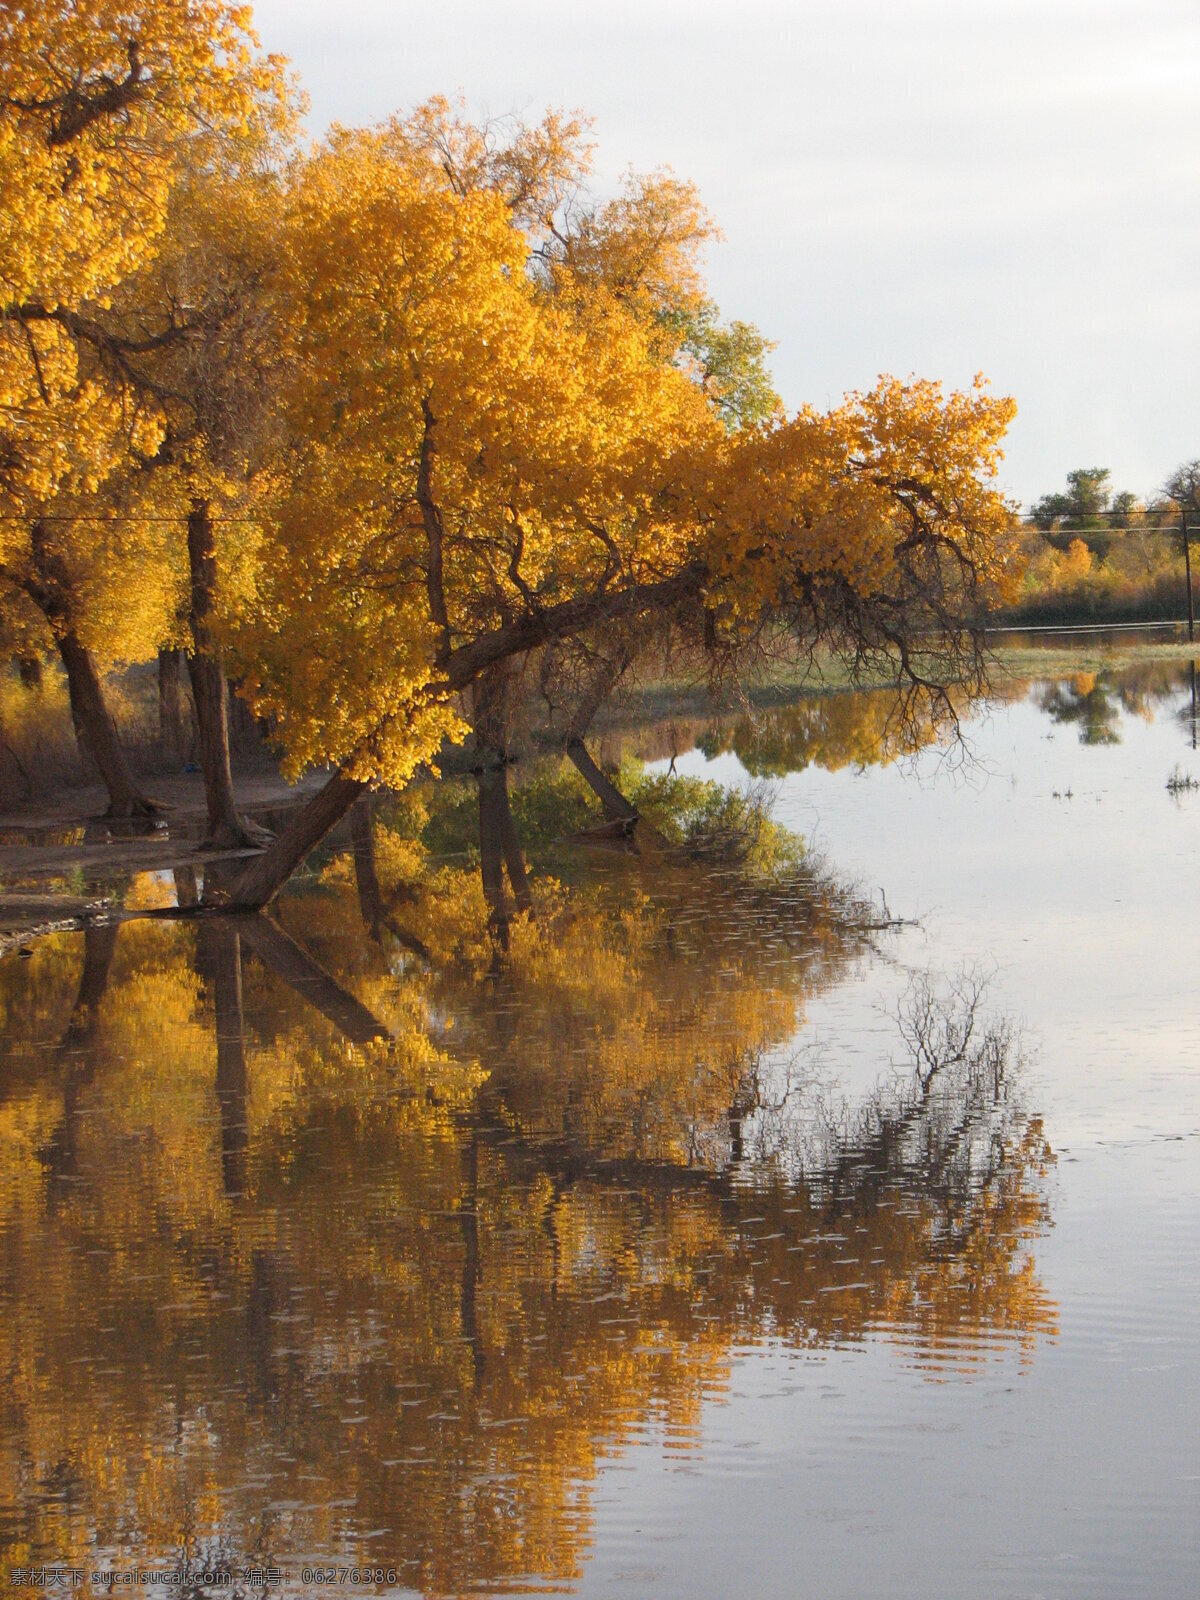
[(830, 1231)]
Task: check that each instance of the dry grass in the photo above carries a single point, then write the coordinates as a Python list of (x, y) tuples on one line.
[(39, 754)]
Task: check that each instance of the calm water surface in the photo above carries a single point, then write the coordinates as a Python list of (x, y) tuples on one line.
[(719, 1245)]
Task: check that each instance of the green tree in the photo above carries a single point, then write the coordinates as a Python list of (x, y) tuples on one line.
[(1083, 505)]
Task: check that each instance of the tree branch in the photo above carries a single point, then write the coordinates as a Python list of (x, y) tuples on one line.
[(76, 111), (434, 533), (464, 664)]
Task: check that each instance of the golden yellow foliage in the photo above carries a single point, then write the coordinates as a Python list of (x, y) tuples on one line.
[(849, 497), (480, 465), (100, 110), (1077, 562), (93, 113), (439, 396)]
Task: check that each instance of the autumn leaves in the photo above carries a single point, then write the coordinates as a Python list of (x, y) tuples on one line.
[(439, 406)]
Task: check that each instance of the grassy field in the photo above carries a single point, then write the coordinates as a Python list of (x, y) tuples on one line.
[(1084, 655)]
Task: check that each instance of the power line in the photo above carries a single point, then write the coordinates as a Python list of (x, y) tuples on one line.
[(114, 520), (1149, 527)]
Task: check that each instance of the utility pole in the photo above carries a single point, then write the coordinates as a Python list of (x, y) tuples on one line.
[(1187, 568)]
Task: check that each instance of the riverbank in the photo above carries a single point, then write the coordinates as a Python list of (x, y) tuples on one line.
[(63, 864), (1011, 662)]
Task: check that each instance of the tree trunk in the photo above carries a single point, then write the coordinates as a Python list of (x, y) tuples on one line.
[(624, 819), (95, 728), (366, 877), (48, 585), (266, 874), (499, 843), (510, 841), (170, 705), (211, 697), (615, 806), (226, 830), (187, 890), (378, 916), (609, 672)]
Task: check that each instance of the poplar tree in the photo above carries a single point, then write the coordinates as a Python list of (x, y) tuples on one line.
[(96, 103)]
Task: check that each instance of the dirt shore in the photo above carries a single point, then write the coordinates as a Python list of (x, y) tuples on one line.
[(62, 860)]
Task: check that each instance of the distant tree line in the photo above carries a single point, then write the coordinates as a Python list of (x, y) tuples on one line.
[(1095, 553)]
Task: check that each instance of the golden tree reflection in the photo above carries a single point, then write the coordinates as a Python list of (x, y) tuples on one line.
[(277, 1283), (832, 731)]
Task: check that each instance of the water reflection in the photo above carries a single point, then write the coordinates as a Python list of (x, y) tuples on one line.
[(1086, 703), (875, 727), (327, 1237), (831, 731)]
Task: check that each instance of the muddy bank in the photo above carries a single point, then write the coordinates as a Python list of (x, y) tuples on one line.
[(64, 864)]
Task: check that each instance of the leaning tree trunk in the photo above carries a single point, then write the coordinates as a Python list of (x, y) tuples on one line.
[(48, 585), (623, 819), (266, 874), (617, 809), (95, 729), (614, 804), (226, 830)]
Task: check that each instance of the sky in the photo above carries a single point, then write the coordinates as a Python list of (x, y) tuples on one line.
[(935, 187)]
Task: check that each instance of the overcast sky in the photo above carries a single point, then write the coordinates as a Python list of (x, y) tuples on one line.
[(930, 186)]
